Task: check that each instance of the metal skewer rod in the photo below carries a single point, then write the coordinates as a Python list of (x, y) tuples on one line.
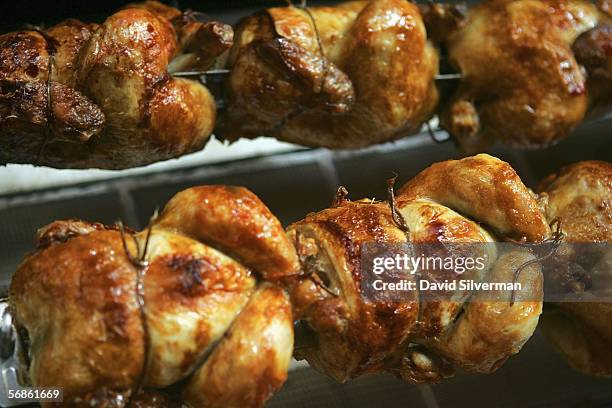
[(439, 77), (201, 73), (446, 77)]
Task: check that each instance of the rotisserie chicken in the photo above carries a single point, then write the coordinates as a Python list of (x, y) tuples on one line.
[(115, 95), (199, 307), (580, 197), (112, 316), (348, 335), (346, 76), (523, 64), (81, 95)]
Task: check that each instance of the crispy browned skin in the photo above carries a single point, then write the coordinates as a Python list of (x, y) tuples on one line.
[(347, 334), (341, 77), (521, 83), (81, 95), (486, 189), (55, 289), (235, 220), (259, 347), (76, 303), (580, 196), (352, 335)]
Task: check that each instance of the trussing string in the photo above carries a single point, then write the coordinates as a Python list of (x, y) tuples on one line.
[(319, 282), (555, 241), (433, 136), (208, 72), (310, 273), (140, 263), (324, 65), (398, 218), (49, 107), (340, 197)]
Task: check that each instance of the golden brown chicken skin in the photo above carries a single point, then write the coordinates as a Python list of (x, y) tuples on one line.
[(84, 95), (352, 334), (580, 197), (484, 188), (521, 82), (346, 76), (235, 220), (258, 348), (346, 332), (157, 317)]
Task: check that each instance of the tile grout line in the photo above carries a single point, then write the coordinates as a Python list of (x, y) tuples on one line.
[(328, 169), (128, 205), (62, 193), (428, 396)]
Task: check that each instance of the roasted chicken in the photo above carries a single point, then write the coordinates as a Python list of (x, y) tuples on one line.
[(347, 76), (348, 334), (199, 307), (111, 96), (523, 64), (81, 95), (182, 311), (580, 197)]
